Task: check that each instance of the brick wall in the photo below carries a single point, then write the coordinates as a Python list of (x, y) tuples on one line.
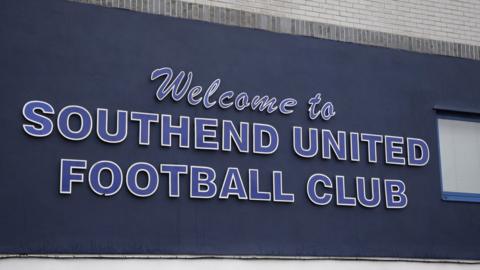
[(443, 27), (447, 20)]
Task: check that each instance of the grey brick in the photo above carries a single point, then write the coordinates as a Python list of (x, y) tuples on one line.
[(173, 8), (188, 10)]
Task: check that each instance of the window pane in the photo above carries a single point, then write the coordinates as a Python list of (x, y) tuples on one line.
[(460, 155)]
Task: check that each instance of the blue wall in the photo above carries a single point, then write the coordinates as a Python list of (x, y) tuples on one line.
[(67, 53)]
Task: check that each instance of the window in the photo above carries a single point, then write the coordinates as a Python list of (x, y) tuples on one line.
[(459, 139)]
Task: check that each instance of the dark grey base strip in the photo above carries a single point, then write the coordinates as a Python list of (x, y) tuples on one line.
[(227, 16)]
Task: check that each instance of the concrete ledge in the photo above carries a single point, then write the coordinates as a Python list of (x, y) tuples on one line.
[(209, 264), (233, 257)]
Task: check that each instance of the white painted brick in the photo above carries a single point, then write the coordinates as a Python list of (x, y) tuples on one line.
[(448, 20)]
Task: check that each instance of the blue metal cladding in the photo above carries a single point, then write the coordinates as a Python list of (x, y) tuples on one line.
[(72, 54)]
